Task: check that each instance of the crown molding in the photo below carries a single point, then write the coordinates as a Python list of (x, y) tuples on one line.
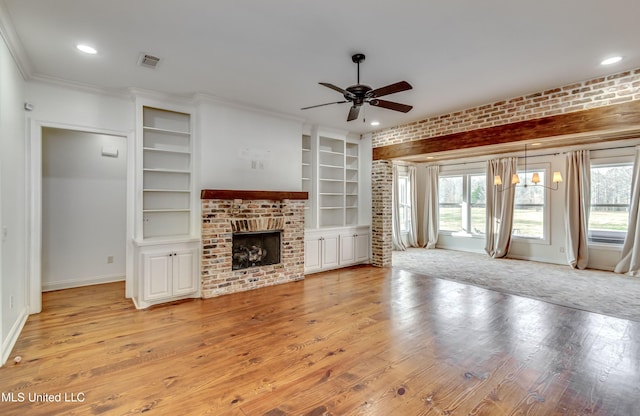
[(203, 98), (160, 96), (79, 86), (12, 40)]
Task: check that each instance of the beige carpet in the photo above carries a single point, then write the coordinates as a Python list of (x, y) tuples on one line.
[(596, 291)]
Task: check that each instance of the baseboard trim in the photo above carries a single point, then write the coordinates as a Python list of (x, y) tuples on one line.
[(12, 337), (68, 284), (537, 259)]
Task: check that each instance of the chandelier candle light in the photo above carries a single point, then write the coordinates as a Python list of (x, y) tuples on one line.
[(535, 178)]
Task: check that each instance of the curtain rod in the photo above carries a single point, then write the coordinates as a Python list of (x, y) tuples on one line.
[(546, 154)]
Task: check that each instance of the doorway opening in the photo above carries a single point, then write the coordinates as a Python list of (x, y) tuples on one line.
[(84, 211), (81, 210)]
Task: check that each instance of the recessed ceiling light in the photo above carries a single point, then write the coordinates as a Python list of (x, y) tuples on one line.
[(429, 157), (612, 60), (536, 144), (86, 49), (375, 123)]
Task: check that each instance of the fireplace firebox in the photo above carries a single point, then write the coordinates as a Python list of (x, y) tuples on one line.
[(254, 249)]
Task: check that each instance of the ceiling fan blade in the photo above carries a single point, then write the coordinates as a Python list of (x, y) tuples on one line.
[(390, 89), (333, 87), (353, 113), (391, 105), (321, 105)]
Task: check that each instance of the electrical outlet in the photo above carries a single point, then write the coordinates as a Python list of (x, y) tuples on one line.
[(110, 259), (561, 249), (11, 302)]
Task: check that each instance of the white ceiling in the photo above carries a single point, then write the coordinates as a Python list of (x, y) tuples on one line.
[(272, 54)]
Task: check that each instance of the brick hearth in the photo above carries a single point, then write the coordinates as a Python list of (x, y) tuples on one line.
[(221, 217)]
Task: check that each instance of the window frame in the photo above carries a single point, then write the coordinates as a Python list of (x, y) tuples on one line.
[(405, 206), (623, 160), (546, 210), (466, 203)]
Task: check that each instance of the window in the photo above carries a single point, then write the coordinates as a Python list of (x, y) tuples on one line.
[(462, 203), (404, 203), (450, 203), (478, 203), (610, 197), (529, 208)]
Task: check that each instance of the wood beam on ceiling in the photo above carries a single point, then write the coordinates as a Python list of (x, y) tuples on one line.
[(617, 117)]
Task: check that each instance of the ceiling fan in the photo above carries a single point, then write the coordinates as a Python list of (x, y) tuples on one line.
[(359, 94)]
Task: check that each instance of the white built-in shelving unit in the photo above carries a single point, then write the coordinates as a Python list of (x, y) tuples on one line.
[(167, 245), (334, 236), (307, 176), (167, 173), (330, 175), (331, 182), (351, 183)]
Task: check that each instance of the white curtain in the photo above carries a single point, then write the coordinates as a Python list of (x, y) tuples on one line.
[(577, 205), (430, 219), (630, 260), (500, 201), (412, 235), (398, 244)]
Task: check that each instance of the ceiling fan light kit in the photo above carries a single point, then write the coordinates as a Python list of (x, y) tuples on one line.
[(360, 94)]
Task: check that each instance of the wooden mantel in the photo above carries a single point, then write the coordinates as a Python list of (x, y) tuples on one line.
[(609, 118), (246, 195)]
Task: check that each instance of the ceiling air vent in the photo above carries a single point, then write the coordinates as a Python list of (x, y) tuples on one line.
[(148, 61)]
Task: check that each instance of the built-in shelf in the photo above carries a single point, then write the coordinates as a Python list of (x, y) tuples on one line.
[(330, 174), (153, 149), (166, 173), (166, 210)]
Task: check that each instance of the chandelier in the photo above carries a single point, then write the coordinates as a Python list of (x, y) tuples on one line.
[(535, 178)]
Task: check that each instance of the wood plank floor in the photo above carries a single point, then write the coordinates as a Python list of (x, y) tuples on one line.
[(359, 341)]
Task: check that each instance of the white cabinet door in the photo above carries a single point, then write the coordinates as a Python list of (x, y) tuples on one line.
[(312, 255), (184, 272), (361, 250), (169, 273), (347, 249), (330, 251), (157, 276)]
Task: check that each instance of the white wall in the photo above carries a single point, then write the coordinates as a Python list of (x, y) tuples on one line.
[(248, 150), (13, 226), (364, 178), (61, 105), (601, 256), (71, 108), (84, 209)]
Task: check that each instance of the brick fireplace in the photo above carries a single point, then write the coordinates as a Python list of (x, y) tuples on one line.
[(226, 213)]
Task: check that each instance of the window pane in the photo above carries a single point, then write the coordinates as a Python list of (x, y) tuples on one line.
[(610, 194), (528, 212), (450, 199), (404, 204), (478, 202)]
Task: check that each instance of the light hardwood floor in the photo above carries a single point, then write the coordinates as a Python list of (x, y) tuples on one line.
[(359, 341)]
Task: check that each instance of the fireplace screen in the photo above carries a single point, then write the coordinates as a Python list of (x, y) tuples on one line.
[(255, 249)]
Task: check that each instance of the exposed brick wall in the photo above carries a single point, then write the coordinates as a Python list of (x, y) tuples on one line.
[(598, 92), (381, 220), (220, 217)]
